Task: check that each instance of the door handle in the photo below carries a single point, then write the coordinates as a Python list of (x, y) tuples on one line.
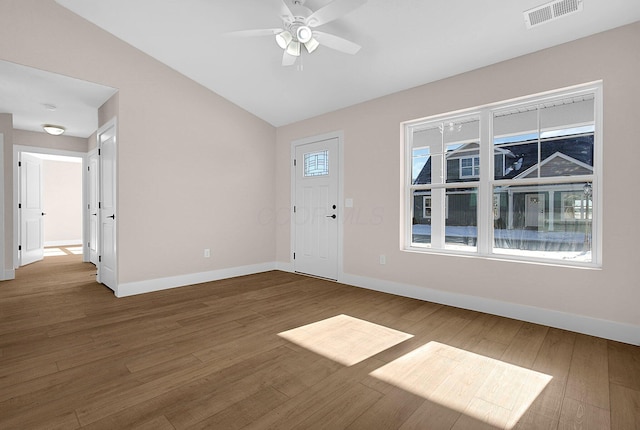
[(43, 213), (94, 214), (112, 216), (332, 216)]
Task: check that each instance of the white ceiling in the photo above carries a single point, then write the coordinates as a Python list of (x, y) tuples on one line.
[(405, 43), (30, 95)]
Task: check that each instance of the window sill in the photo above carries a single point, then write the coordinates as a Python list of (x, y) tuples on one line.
[(505, 257)]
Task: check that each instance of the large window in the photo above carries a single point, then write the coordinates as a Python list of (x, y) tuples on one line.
[(518, 180)]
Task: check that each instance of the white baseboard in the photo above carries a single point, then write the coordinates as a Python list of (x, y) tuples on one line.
[(285, 267), (613, 330), (8, 275), (607, 329), (148, 286), (76, 242)]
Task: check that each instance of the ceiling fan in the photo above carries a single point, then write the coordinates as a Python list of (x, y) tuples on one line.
[(298, 29)]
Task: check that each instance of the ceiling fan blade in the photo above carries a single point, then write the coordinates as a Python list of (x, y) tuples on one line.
[(334, 10), (285, 11), (337, 43), (253, 33), (288, 59)]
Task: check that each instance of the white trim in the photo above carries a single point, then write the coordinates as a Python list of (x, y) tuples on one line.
[(285, 267), (424, 206), (487, 181), (339, 135), (112, 123), (2, 213), (17, 150), (76, 242), (473, 166), (607, 329), (140, 287), (86, 228)]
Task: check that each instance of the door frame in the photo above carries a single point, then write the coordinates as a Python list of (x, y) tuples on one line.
[(339, 135), (86, 249), (17, 150), (4, 272), (112, 123)]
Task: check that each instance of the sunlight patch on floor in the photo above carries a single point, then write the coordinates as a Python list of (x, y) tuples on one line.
[(54, 252), (480, 387), (63, 250), (345, 339)]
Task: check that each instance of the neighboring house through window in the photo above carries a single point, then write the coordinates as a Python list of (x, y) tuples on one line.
[(470, 167), (530, 190)]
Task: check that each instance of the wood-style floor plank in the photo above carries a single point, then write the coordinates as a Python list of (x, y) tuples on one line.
[(625, 408), (246, 353)]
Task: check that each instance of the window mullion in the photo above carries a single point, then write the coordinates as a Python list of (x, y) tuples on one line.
[(439, 172), (485, 224)]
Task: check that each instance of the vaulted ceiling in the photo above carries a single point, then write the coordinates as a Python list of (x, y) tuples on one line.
[(405, 43)]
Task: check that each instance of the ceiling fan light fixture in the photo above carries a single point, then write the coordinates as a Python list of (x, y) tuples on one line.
[(294, 48), (54, 130), (304, 34), (311, 45), (283, 39)]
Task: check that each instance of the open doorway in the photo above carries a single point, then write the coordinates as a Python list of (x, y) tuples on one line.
[(50, 201), (34, 98)]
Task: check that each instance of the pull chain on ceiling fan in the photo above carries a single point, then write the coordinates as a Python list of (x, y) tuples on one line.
[(299, 23)]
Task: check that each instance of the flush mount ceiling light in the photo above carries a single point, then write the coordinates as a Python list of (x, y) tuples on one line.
[(299, 23), (55, 130)]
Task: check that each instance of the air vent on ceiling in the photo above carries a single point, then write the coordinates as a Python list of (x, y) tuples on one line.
[(551, 11)]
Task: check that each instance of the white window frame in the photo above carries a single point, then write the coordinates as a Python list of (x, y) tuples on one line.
[(425, 207), (475, 166), (309, 171), (582, 208), (487, 182)]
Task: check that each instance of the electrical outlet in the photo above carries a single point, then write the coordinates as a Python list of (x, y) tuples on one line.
[(383, 259), (207, 253)]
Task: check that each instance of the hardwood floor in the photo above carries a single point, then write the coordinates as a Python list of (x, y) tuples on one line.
[(282, 351)]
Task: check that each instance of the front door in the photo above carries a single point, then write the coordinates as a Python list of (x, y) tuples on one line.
[(107, 212), (31, 213), (534, 210), (316, 208)]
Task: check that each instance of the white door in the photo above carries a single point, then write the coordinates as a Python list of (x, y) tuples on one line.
[(31, 247), (92, 183), (107, 208), (534, 210), (316, 208)]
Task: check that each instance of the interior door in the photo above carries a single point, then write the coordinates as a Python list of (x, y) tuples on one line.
[(31, 210), (92, 182), (316, 208), (107, 208)]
